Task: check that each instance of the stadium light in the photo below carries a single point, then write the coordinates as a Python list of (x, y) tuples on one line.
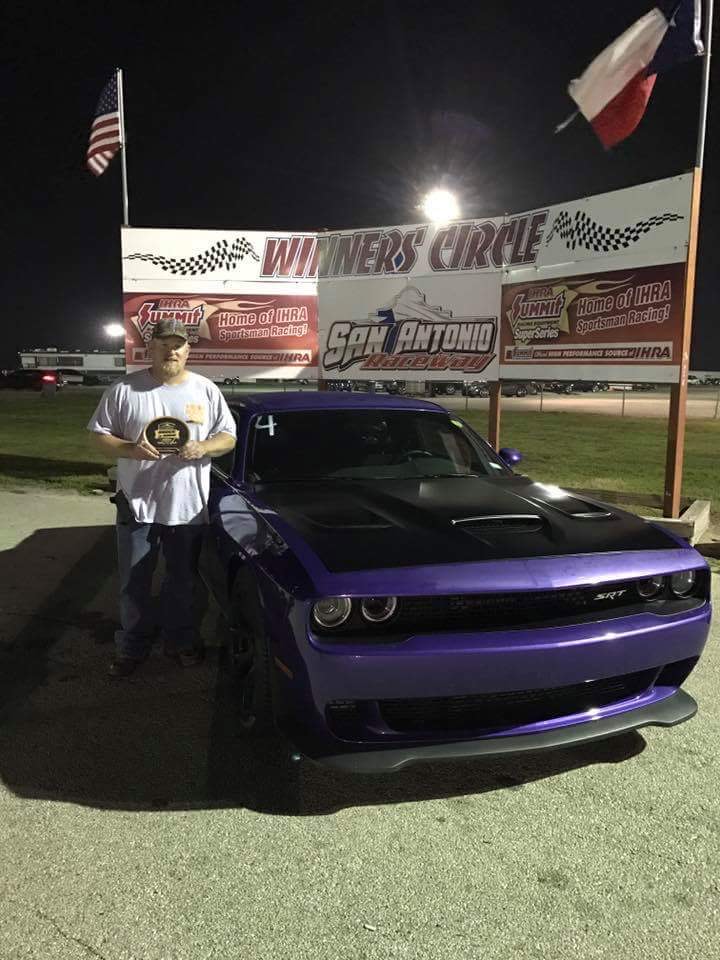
[(440, 206), (114, 330)]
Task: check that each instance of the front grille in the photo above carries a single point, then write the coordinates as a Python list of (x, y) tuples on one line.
[(512, 609), (494, 711), (478, 612)]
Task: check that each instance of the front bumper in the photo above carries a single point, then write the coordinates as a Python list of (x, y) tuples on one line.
[(664, 713), (380, 684)]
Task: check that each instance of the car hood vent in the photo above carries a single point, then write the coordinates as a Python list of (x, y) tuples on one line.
[(501, 522), (351, 517)]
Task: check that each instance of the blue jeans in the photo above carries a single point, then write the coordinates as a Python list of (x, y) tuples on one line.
[(139, 547)]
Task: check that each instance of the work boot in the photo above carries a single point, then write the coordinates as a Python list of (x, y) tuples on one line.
[(190, 658), (122, 667)]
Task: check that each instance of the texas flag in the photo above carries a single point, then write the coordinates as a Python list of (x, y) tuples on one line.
[(614, 90)]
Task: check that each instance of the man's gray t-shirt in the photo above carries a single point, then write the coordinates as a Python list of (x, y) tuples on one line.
[(170, 490)]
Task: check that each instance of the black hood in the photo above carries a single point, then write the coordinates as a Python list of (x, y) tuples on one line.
[(361, 525)]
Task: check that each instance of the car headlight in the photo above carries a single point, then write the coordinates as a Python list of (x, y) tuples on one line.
[(332, 611), (682, 583), (378, 609), (650, 588)]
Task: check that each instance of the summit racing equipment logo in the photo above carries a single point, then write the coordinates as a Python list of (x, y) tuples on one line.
[(170, 308), (410, 334), (541, 312)]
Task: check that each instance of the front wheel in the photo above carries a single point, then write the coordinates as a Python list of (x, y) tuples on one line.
[(521, 392), (248, 658), (250, 670)]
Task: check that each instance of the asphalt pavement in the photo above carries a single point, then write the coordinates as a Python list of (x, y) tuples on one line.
[(137, 822)]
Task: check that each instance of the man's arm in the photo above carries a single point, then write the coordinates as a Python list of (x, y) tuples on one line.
[(214, 446), (117, 447)]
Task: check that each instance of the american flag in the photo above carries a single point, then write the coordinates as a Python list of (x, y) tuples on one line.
[(105, 138)]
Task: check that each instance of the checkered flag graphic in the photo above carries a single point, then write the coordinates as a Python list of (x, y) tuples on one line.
[(221, 255), (582, 231)]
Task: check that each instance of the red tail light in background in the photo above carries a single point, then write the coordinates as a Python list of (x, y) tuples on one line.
[(49, 378)]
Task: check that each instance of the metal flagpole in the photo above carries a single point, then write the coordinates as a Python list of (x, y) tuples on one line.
[(678, 391), (121, 111), (705, 87)]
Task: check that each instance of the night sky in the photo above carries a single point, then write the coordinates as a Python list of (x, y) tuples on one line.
[(305, 117)]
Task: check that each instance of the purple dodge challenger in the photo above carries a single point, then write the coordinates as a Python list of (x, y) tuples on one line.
[(395, 593)]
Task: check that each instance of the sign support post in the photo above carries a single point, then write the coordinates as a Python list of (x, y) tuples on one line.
[(678, 391)]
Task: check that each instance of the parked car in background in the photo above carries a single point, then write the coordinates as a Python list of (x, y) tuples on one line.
[(476, 388), (644, 386), (695, 381), (445, 388), (395, 593), (72, 376), (450, 388), (589, 386), (518, 388), (31, 379)]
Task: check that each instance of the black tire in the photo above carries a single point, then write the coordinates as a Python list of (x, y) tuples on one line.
[(521, 391), (450, 389), (248, 658), (227, 382)]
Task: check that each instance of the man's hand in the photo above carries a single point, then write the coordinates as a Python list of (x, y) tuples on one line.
[(142, 450), (193, 450), (117, 447)]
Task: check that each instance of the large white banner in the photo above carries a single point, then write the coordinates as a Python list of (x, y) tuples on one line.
[(420, 301)]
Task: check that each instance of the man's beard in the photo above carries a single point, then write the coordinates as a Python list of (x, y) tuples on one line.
[(170, 366)]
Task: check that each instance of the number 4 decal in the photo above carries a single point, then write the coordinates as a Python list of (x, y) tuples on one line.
[(269, 426)]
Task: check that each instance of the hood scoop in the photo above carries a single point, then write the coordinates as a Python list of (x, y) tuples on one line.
[(350, 517), (500, 523)]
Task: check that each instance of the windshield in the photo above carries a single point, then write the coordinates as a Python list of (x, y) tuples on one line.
[(364, 445)]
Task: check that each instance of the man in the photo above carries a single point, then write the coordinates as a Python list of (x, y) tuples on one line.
[(161, 499)]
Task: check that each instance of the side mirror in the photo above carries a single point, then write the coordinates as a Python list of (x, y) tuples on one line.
[(510, 456)]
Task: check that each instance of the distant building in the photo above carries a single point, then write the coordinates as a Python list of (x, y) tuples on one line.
[(94, 366)]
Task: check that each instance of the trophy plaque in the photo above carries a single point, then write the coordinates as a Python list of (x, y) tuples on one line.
[(167, 434)]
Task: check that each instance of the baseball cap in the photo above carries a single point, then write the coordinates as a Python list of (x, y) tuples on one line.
[(169, 328)]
